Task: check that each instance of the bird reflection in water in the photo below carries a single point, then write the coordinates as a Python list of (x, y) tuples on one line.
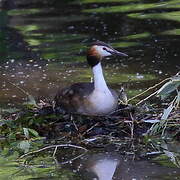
[(114, 166), (104, 169)]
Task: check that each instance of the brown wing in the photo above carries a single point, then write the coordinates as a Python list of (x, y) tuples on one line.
[(72, 98)]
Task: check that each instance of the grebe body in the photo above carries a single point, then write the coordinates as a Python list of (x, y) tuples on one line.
[(91, 98)]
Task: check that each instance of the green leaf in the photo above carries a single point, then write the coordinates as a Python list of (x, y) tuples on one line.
[(31, 103), (24, 145), (32, 100), (26, 132), (167, 112), (178, 98), (2, 122), (167, 88), (33, 132), (12, 136), (176, 78), (9, 110)]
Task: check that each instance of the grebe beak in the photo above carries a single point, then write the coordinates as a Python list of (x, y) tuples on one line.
[(117, 53)]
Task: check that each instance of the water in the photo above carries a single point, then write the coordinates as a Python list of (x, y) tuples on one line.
[(125, 161), (43, 45)]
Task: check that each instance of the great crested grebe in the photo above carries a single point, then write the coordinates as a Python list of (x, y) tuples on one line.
[(91, 98)]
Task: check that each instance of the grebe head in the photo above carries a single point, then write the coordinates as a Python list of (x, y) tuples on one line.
[(99, 50)]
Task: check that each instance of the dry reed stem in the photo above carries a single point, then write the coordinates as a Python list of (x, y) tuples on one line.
[(150, 88), (53, 146)]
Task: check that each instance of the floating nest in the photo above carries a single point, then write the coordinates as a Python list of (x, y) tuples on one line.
[(126, 122)]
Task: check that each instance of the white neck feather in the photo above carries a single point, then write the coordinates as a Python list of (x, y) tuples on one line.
[(99, 81)]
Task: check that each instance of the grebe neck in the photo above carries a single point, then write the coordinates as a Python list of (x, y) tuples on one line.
[(99, 81)]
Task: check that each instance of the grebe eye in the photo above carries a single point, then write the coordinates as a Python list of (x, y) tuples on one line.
[(104, 48)]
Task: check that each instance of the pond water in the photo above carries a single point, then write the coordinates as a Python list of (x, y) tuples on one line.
[(127, 161), (43, 46)]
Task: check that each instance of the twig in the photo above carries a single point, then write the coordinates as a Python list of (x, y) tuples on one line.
[(119, 110), (119, 122), (68, 161), (146, 98), (132, 126), (90, 128), (164, 128), (75, 126), (25, 92), (150, 88), (54, 153), (53, 146), (22, 90)]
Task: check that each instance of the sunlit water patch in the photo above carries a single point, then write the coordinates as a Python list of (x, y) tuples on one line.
[(166, 15), (134, 6), (172, 32)]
